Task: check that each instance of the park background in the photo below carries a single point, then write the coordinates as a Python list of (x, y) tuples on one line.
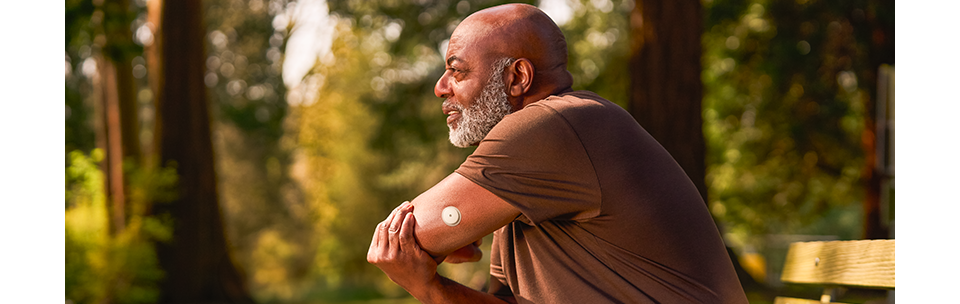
[(275, 134)]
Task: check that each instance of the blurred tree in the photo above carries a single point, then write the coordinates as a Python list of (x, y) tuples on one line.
[(874, 22), (121, 123), (79, 128), (666, 94), (250, 129), (598, 47), (197, 263), (266, 220), (99, 33), (110, 253), (788, 96)]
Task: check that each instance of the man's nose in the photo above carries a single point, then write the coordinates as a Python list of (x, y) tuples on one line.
[(442, 89)]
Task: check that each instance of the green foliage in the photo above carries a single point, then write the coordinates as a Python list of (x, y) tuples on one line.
[(243, 67), (787, 84), (104, 266), (79, 132), (598, 46), (265, 220), (96, 30)]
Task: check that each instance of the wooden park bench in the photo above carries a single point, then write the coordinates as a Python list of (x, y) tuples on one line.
[(837, 265)]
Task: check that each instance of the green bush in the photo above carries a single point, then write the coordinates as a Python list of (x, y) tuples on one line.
[(104, 267)]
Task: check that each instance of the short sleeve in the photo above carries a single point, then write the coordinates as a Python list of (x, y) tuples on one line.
[(534, 160)]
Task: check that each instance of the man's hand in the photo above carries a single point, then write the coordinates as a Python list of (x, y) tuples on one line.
[(395, 251), (469, 253)]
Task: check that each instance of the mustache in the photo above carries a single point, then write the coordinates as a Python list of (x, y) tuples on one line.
[(450, 104)]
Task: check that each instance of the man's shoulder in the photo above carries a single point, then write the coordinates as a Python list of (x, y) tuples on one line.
[(580, 106), (573, 100)]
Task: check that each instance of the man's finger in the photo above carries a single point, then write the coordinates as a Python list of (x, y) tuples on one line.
[(383, 238), (395, 227), (393, 214), (375, 241), (407, 241), (371, 256), (389, 219), (382, 235), (397, 218)]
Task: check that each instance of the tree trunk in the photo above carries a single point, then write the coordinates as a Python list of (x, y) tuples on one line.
[(666, 91), (197, 263), (119, 123), (111, 141)]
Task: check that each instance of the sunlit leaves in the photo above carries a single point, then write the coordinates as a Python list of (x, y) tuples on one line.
[(243, 67), (119, 267), (598, 46), (784, 111)]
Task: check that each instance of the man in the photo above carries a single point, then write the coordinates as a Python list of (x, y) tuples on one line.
[(585, 206)]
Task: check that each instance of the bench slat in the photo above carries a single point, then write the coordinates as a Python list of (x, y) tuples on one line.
[(786, 300), (866, 263)]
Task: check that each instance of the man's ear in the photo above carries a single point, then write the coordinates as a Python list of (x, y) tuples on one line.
[(520, 78)]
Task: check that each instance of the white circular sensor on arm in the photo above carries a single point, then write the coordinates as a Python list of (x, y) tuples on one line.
[(450, 216)]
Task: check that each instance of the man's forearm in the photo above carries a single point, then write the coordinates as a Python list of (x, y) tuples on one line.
[(444, 290)]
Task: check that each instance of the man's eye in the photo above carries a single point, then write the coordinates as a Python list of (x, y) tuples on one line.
[(457, 74)]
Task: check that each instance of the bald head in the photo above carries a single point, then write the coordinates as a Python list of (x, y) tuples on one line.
[(518, 31)]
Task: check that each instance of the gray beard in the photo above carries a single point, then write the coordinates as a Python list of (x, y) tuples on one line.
[(487, 110)]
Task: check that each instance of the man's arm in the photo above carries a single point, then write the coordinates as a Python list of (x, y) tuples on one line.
[(481, 213), (394, 250)]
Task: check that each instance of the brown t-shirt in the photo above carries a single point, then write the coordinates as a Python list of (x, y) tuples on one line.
[(607, 215)]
